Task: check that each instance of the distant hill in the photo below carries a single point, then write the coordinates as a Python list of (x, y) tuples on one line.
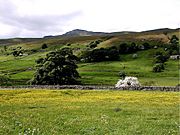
[(79, 32), (79, 35), (12, 41), (163, 31)]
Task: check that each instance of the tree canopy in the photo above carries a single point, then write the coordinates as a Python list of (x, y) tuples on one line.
[(58, 68)]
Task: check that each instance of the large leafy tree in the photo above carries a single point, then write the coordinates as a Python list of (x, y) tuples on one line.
[(58, 68)]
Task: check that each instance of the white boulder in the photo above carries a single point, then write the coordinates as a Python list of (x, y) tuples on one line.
[(128, 81)]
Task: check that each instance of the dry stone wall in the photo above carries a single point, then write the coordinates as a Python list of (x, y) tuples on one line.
[(90, 87)]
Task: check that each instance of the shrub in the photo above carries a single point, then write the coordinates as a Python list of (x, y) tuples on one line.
[(158, 67), (122, 74), (44, 46), (4, 79), (161, 56), (18, 52), (94, 44)]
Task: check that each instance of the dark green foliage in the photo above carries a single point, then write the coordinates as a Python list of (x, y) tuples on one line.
[(174, 39), (58, 68), (85, 56), (33, 50), (122, 74), (112, 53), (94, 44), (132, 48), (158, 67), (146, 46), (4, 79), (98, 55), (125, 48), (5, 48), (174, 46), (101, 54), (160, 57), (39, 61), (44, 46), (18, 51), (68, 44)]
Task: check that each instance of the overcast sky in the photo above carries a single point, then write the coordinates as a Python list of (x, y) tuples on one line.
[(38, 18)]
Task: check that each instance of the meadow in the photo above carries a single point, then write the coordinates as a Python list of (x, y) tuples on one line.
[(88, 112), (21, 69)]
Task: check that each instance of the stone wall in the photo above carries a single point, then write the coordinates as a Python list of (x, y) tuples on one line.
[(94, 87)]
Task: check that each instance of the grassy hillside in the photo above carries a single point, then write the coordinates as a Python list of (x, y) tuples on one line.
[(21, 69), (107, 72), (77, 112)]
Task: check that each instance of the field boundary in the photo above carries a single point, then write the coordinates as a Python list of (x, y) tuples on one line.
[(93, 87)]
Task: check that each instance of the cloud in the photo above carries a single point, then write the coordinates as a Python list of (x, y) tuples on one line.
[(37, 18), (32, 25)]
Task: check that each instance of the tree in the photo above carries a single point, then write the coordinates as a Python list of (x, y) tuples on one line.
[(146, 45), (44, 46), (58, 68), (5, 48), (123, 48), (174, 40), (161, 57), (112, 53), (174, 45)]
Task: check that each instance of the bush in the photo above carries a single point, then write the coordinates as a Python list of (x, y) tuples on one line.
[(122, 74), (125, 48), (161, 57), (94, 44), (4, 79), (158, 67), (18, 52), (44, 46)]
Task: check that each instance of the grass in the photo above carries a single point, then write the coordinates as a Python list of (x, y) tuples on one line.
[(21, 69), (94, 112), (107, 73)]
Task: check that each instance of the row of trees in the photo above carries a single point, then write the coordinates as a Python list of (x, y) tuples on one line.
[(98, 55), (112, 53)]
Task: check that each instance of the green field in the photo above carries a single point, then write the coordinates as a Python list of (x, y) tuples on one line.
[(21, 69), (95, 112)]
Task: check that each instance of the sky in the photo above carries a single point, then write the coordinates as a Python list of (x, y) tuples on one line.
[(38, 18)]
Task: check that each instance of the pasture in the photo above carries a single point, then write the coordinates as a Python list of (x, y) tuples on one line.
[(88, 112), (21, 69)]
